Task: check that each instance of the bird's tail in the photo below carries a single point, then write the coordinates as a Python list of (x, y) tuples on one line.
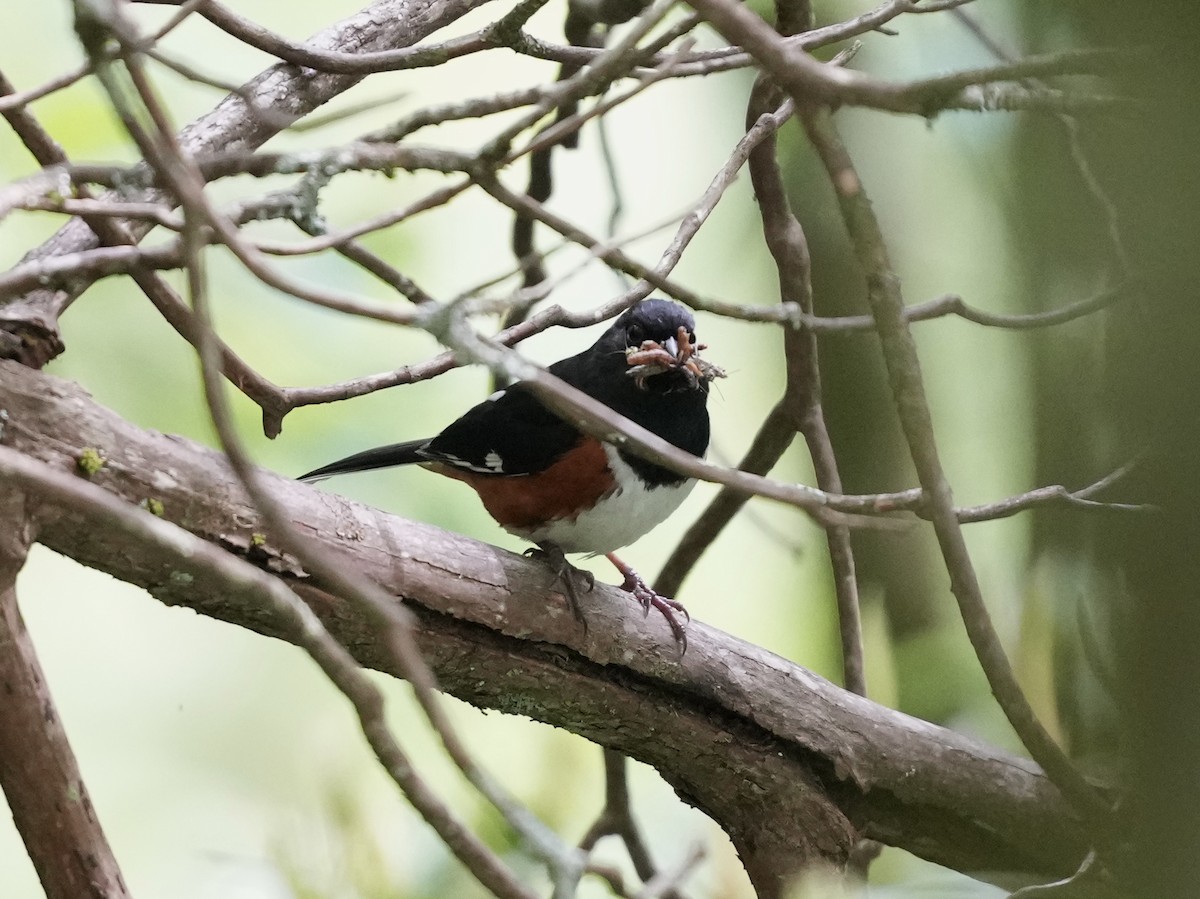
[(380, 457)]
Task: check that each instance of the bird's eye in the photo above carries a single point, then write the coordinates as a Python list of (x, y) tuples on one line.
[(635, 335)]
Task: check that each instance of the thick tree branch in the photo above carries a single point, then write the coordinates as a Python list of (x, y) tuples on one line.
[(54, 489), (782, 759)]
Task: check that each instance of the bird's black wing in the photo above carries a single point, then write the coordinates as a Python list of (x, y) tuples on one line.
[(510, 433)]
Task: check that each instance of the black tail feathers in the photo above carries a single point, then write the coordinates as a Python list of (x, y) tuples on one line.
[(380, 457)]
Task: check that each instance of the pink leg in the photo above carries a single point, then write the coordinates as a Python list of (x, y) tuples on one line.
[(642, 592)]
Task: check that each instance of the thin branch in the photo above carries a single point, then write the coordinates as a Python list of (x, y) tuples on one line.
[(666, 883), (788, 245), (163, 151), (156, 213), (725, 59), (932, 6), (1082, 163), (561, 128), (611, 63), (204, 561), (616, 819), (300, 205), (336, 240), (760, 131), (1057, 495), (14, 100), (904, 371), (472, 108), (91, 264), (20, 99), (951, 304), (338, 62), (810, 81), (774, 436), (48, 154), (230, 125)]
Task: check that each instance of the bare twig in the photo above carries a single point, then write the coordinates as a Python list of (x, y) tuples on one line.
[(14, 100), (904, 370), (1120, 256), (21, 99), (666, 882), (92, 264), (1055, 495), (339, 62), (231, 125), (810, 81), (955, 305), (164, 152), (201, 558), (788, 245), (616, 819), (774, 436)]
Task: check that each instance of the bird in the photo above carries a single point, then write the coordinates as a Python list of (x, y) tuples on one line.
[(546, 481)]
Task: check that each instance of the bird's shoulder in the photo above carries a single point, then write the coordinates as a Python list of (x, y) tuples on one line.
[(509, 433)]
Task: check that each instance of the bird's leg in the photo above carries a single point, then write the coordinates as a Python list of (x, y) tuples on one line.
[(645, 595), (552, 555)]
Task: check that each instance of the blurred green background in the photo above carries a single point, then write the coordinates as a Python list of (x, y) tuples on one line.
[(223, 765)]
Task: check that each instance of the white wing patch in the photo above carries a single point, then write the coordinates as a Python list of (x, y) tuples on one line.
[(451, 458), (492, 463)]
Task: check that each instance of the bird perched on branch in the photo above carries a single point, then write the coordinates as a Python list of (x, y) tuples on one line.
[(543, 479)]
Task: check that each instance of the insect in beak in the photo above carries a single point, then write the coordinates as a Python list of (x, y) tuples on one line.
[(676, 353)]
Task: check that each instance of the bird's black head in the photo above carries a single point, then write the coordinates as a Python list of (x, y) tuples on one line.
[(645, 367), (656, 320), (653, 347)]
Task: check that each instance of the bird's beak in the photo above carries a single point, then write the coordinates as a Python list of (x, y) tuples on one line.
[(671, 345)]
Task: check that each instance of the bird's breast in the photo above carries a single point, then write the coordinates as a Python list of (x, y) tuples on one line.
[(628, 511)]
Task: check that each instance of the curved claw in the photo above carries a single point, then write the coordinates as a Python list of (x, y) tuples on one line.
[(645, 595), (633, 584), (675, 606)]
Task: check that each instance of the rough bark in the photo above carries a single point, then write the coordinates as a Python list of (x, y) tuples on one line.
[(789, 764)]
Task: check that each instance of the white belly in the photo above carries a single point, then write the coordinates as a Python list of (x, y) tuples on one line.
[(629, 512)]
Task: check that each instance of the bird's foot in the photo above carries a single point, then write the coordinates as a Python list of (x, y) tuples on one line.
[(553, 556), (669, 608)]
